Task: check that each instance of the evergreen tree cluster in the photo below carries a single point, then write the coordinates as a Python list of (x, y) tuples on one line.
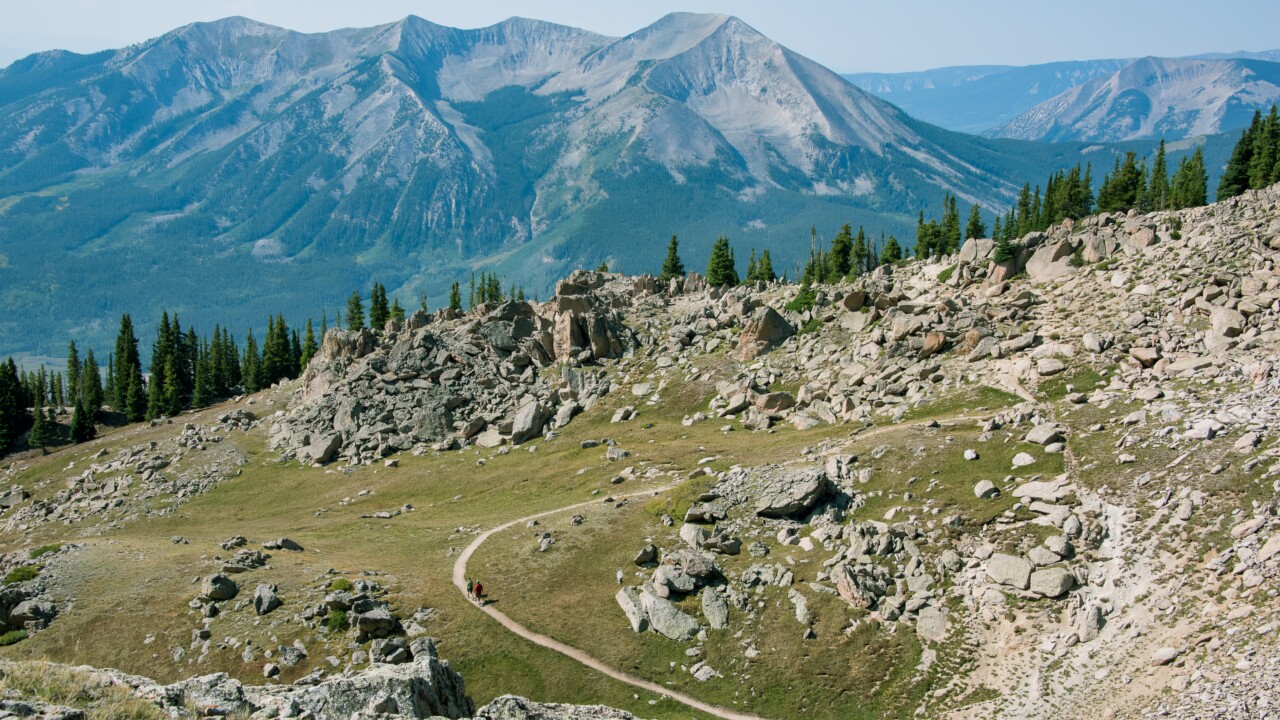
[(1130, 185), (849, 256), (1255, 161), (939, 237)]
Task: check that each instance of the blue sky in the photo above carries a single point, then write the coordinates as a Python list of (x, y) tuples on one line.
[(849, 36)]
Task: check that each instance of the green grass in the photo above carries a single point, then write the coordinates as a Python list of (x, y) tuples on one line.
[(13, 636), (341, 585), (22, 574), (43, 550), (946, 274), (1083, 379)]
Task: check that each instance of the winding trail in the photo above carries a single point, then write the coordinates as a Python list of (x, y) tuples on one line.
[(460, 581)]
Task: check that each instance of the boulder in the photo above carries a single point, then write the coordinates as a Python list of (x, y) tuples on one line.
[(629, 600), (218, 587), (666, 619), (931, 623), (321, 450), (265, 599), (1010, 570), (528, 422), (647, 554), (1225, 322), (1045, 434), (977, 251), (791, 493), (985, 490), (1051, 582), (765, 330), (1050, 262), (715, 609)]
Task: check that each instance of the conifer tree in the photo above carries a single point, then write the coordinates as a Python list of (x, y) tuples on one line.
[(130, 389), (73, 372), (355, 312), (1189, 187), (750, 277), (840, 260), (764, 269), (1235, 178), (720, 269), (397, 312), (90, 394), (1004, 250), (250, 364), (1157, 191), (309, 346), (892, 251), (379, 311), (455, 298), (1266, 152), (13, 410), (40, 434), (975, 227), (82, 429), (672, 266), (860, 255)]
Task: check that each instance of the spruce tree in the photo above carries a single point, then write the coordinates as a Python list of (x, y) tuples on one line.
[(1235, 178), (12, 408), (975, 228), (355, 312), (672, 266), (455, 297), (396, 313), (309, 346), (82, 429), (860, 255), (40, 434), (379, 311), (751, 267), (130, 389), (720, 269), (892, 251), (73, 372), (764, 268), (1189, 187), (250, 365), (1004, 250), (840, 260), (1266, 152), (1157, 194), (90, 394)]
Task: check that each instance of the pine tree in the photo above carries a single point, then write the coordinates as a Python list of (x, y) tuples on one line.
[(82, 429), (764, 268), (90, 393), (841, 258), (1121, 188), (949, 238), (309, 346), (892, 251), (355, 312), (172, 388), (379, 311), (202, 393), (1157, 194), (455, 298), (471, 295), (40, 434), (250, 365), (1189, 187), (397, 312), (1004, 250), (130, 389), (73, 372), (975, 228), (1235, 178), (672, 266), (720, 269), (12, 408), (1266, 151)]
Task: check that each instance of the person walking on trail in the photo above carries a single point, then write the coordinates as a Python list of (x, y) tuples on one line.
[(471, 588), (478, 591)]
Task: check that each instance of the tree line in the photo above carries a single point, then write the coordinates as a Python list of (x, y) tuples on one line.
[(1255, 160)]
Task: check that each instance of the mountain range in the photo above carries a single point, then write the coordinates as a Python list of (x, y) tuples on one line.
[(1094, 100), (230, 169)]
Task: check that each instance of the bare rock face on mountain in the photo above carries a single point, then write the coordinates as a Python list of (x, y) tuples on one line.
[(443, 379)]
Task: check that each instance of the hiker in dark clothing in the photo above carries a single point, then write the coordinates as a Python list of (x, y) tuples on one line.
[(478, 590), (471, 584)]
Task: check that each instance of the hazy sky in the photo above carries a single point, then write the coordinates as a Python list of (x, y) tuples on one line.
[(848, 36)]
